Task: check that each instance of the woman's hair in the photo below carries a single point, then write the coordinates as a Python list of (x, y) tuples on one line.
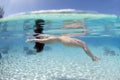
[(39, 29), (40, 22)]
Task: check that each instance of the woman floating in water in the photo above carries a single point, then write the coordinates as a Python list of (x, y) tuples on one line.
[(67, 41)]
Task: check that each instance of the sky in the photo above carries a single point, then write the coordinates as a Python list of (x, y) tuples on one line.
[(100, 6)]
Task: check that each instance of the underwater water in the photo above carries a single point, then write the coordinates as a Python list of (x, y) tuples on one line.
[(19, 61)]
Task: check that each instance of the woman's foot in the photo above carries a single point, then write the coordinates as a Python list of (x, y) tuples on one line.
[(95, 58)]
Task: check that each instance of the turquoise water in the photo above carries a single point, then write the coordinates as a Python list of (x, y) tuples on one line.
[(56, 61)]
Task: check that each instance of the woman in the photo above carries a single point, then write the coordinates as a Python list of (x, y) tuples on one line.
[(67, 41)]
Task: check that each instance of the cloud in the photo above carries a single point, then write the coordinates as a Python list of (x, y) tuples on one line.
[(55, 11), (61, 10)]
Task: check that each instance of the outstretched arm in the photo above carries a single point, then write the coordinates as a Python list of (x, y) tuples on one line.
[(37, 40)]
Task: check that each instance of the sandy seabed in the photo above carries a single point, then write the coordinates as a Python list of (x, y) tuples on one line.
[(58, 65)]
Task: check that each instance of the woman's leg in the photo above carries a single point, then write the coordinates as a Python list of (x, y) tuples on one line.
[(79, 43), (89, 53)]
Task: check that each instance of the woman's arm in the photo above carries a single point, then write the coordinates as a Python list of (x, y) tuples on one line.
[(37, 40)]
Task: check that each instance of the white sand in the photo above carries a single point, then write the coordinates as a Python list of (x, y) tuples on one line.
[(71, 64)]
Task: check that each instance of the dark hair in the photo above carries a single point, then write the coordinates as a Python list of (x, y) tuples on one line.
[(39, 29), (39, 47), (40, 22)]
